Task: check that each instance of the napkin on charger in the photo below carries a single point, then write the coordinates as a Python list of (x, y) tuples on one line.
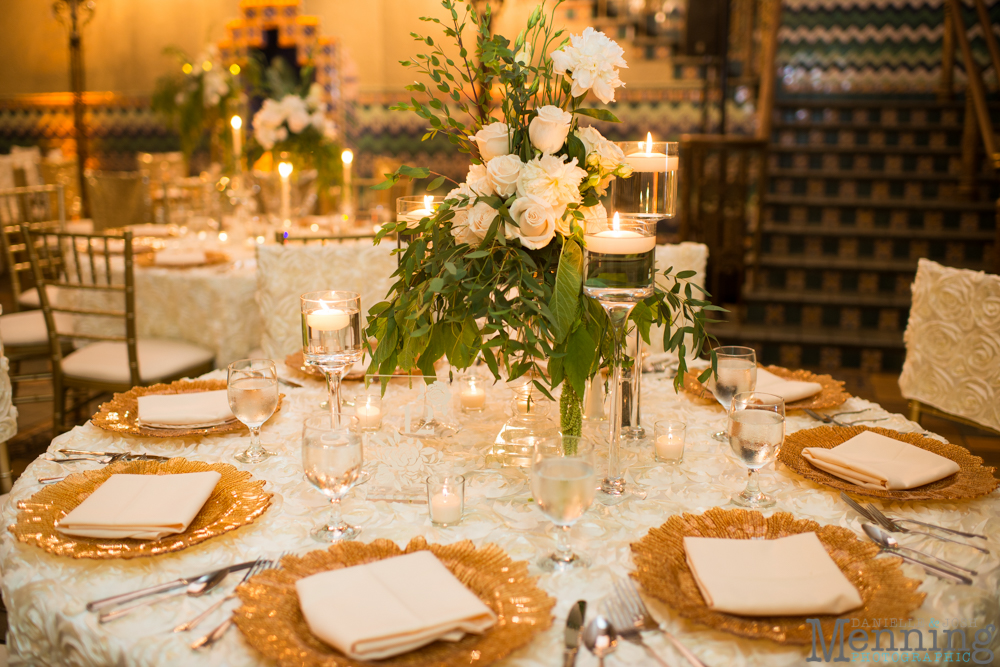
[(179, 257), (391, 606), (788, 576), (875, 461), (790, 390), (142, 507), (196, 409)]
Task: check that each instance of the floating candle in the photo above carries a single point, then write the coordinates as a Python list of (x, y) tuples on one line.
[(647, 160), (328, 319)]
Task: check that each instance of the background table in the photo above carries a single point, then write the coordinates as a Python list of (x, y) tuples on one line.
[(45, 595)]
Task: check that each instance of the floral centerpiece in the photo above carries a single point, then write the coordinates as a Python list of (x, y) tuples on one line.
[(496, 272), (293, 120), (198, 101)]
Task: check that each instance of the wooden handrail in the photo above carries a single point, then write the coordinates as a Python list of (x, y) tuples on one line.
[(975, 85), (768, 74), (989, 37)]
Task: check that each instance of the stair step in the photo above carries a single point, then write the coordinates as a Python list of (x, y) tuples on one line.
[(878, 232), (838, 202), (918, 151), (850, 263), (876, 102), (868, 175), (865, 338)]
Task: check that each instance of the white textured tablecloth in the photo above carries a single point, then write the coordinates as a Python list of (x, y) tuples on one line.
[(45, 595)]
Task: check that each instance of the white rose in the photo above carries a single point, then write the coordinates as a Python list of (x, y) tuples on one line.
[(481, 216), (296, 114), (502, 173), (609, 155), (478, 181), (594, 60), (549, 129), (460, 228), (270, 116), (318, 120), (493, 141), (315, 96), (594, 219), (552, 179), (536, 222), (590, 138)]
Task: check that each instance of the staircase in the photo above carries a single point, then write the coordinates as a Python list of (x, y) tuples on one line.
[(859, 189)]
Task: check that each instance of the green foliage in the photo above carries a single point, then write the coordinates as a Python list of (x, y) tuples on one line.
[(570, 413)]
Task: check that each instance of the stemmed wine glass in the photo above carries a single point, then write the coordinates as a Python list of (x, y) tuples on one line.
[(331, 338), (737, 373), (332, 457), (563, 484), (253, 397), (618, 273), (756, 433)]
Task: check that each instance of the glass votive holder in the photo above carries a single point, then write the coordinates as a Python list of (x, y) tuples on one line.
[(668, 440), (471, 393), (368, 410), (446, 499)]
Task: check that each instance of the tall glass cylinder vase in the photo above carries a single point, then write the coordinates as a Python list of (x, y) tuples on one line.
[(411, 210), (331, 338), (650, 193), (631, 401), (618, 274)]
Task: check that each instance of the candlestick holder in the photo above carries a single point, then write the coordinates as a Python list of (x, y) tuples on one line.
[(618, 274), (331, 338), (650, 193)]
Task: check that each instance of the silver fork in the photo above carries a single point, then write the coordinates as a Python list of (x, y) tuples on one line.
[(259, 566), (856, 506), (634, 607), (220, 630), (625, 624), (894, 527), (895, 522)]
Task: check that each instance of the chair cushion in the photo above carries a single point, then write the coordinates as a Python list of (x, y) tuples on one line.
[(158, 360), (27, 328), (30, 299)]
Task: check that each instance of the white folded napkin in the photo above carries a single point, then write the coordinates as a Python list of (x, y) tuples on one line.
[(875, 461), (391, 606), (790, 390), (789, 576), (178, 257), (142, 507), (197, 409)]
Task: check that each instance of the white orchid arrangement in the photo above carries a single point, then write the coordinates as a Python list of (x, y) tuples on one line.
[(198, 100), (293, 114), (496, 271)]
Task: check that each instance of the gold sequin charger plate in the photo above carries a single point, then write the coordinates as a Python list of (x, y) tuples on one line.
[(663, 572), (212, 258), (237, 500), (121, 413), (832, 394), (272, 621), (971, 481)]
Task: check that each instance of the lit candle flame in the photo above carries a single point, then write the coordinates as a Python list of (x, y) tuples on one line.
[(236, 122), (428, 200), (323, 306), (285, 169), (616, 222), (649, 142)]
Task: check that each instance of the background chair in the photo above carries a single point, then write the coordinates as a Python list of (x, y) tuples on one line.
[(117, 199), (285, 272), (952, 366), (284, 238), (95, 281), (8, 421)]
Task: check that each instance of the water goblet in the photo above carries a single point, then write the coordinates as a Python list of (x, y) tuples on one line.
[(332, 456), (331, 338), (756, 433), (253, 397), (563, 483), (618, 274), (736, 373)]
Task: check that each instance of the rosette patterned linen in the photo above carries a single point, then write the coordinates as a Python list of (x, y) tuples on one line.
[(953, 343), (286, 272)]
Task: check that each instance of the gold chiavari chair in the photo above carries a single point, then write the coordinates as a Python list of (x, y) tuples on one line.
[(94, 277), (285, 238), (117, 199), (23, 331)]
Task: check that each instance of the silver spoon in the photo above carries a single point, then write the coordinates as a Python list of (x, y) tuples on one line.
[(194, 589), (600, 638), (887, 541)]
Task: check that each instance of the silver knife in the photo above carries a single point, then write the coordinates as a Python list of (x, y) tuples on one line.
[(574, 622), (826, 419), (97, 605)]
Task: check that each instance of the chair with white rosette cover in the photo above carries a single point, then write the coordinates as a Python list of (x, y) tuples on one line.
[(285, 272), (8, 421), (23, 330), (94, 276), (685, 256), (952, 366)]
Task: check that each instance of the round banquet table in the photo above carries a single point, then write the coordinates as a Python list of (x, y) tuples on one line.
[(45, 595)]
